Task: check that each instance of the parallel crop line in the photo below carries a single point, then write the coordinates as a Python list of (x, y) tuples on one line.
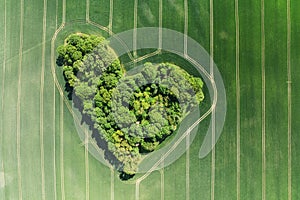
[(54, 122), (160, 25), (162, 182), (111, 15), (134, 28), (56, 11), (112, 184), (137, 190), (3, 88), (54, 142), (289, 100), (87, 171), (211, 36), (19, 101), (87, 11), (62, 173), (263, 100), (186, 26), (4, 60), (238, 119), (187, 168), (211, 19), (64, 12), (42, 101)]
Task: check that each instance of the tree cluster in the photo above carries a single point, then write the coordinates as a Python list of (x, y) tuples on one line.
[(132, 113)]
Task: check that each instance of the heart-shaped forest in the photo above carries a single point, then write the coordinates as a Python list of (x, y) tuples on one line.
[(133, 113)]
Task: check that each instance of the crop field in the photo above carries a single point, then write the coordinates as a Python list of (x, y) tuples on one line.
[(255, 45)]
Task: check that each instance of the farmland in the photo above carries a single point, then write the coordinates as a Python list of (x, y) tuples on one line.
[(255, 45)]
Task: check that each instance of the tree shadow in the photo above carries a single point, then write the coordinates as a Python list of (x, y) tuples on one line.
[(100, 141), (125, 177)]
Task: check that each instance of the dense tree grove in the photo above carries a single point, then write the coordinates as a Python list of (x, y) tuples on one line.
[(132, 113)]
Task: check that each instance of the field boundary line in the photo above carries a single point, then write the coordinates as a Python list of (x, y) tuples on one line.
[(62, 173), (87, 10), (187, 168), (64, 12), (134, 28), (62, 176), (263, 100), (4, 61), (238, 107), (160, 25), (162, 182), (19, 101), (289, 100), (211, 38), (87, 170), (137, 190), (3, 89), (54, 141), (187, 161), (56, 11), (112, 184), (42, 85), (186, 26), (111, 15)]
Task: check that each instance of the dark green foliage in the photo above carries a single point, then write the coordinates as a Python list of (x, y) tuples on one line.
[(70, 54), (135, 113)]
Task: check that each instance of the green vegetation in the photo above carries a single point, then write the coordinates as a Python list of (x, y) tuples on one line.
[(133, 113), (70, 173)]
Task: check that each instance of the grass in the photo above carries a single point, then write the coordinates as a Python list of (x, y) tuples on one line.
[(251, 161), (75, 10), (2, 57), (30, 143), (154, 182), (295, 98), (123, 20), (148, 13), (175, 180), (276, 86), (173, 15), (68, 179), (224, 56), (99, 10)]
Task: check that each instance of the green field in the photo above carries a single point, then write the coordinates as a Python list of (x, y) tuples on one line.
[(255, 45)]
